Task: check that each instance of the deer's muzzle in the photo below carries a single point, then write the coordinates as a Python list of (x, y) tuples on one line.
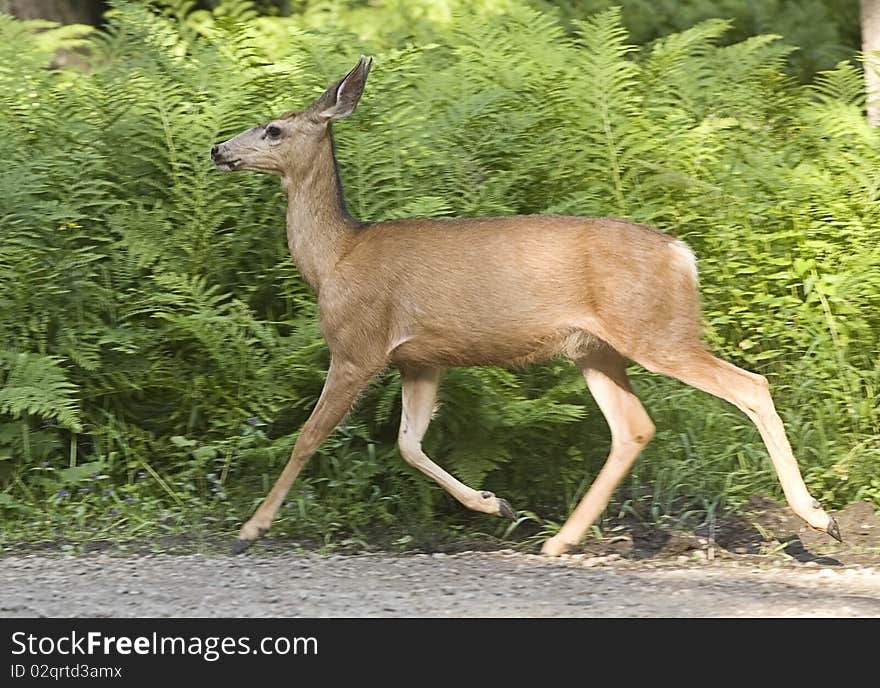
[(221, 158)]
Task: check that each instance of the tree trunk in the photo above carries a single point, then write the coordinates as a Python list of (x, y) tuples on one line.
[(62, 11), (870, 17)]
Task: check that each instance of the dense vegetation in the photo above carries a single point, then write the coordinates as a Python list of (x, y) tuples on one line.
[(159, 351)]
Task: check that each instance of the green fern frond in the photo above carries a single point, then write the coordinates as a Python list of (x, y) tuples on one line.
[(845, 84), (37, 385)]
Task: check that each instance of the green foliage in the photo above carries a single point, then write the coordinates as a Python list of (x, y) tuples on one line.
[(35, 385), (824, 31), (159, 350)]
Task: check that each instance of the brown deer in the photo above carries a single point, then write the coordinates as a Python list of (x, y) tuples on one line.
[(427, 294)]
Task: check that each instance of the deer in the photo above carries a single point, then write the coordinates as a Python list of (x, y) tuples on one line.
[(426, 294)]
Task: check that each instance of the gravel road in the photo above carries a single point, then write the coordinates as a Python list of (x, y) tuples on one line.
[(486, 584)]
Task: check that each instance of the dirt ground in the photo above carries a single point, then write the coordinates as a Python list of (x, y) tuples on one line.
[(762, 564), (765, 528)]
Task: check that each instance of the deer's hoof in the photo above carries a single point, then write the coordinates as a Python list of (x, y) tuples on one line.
[(247, 535), (833, 529), (554, 547), (505, 510), (240, 545)]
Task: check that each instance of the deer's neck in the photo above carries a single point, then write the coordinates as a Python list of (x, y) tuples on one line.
[(318, 224)]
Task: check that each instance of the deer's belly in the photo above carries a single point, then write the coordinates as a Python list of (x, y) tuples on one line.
[(511, 348)]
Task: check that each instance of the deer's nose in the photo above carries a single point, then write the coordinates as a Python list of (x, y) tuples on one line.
[(214, 150)]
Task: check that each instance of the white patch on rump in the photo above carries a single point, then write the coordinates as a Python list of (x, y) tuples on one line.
[(685, 259)]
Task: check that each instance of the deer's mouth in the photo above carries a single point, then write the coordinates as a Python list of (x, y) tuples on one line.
[(227, 164)]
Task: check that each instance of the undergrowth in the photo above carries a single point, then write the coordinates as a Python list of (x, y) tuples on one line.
[(159, 350)]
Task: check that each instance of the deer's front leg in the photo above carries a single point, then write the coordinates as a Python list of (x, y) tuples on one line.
[(345, 380)]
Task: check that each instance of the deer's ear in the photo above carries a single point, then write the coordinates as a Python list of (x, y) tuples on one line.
[(342, 98)]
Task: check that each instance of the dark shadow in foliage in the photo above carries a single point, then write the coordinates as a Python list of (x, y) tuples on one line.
[(734, 534), (795, 549), (763, 522), (739, 535)]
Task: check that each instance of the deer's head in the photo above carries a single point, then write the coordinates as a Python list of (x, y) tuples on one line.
[(277, 145)]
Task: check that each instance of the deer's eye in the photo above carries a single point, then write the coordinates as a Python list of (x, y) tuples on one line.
[(273, 132)]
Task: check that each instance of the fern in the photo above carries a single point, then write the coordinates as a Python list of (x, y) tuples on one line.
[(37, 386), (149, 305)]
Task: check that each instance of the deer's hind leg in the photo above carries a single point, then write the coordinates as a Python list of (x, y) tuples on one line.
[(419, 391), (751, 394), (631, 429)]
